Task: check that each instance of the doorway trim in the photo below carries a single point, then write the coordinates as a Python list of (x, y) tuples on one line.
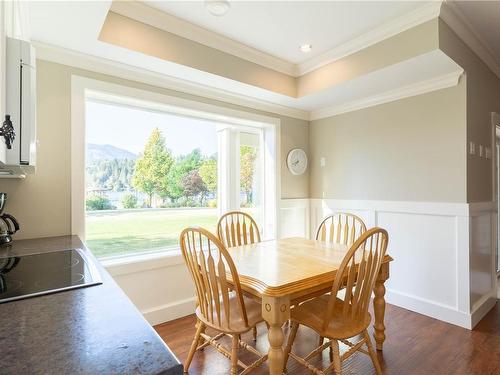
[(495, 126)]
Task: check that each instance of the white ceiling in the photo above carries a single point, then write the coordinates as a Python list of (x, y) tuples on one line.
[(67, 32), (280, 27)]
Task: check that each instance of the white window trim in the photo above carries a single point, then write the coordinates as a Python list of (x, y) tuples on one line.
[(83, 87)]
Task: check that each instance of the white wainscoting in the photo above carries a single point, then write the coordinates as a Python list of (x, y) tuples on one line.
[(483, 280), (432, 244), (159, 285), (294, 219)]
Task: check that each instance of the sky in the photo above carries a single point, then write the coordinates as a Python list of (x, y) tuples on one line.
[(129, 128)]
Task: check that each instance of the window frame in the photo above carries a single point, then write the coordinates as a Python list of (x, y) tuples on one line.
[(83, 88)]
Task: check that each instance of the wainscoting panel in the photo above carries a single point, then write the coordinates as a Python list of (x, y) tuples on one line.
[(483, 279), (430, 246), (294, 218), (425, 256)]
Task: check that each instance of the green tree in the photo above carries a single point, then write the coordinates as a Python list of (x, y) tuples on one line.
[(208, 173), (152, 167), (172, 182), (248, 156), (129, 201)]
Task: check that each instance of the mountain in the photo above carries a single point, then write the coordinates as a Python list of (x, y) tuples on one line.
[(107, 152)]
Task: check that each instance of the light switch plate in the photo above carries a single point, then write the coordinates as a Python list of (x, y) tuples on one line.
[(322, 161), (472, 148), (488, 152), (481, 151)]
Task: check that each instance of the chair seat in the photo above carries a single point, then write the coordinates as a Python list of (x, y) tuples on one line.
[(236, 322), (312, 312)]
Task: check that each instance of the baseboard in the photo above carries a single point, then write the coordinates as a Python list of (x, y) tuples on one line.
[(429, 308), (170, 311), (482, 308)]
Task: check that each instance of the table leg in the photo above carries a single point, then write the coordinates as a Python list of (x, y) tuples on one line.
[(276, 311), (379, 305)]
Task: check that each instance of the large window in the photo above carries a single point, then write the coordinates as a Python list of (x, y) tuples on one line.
[(151, 173)]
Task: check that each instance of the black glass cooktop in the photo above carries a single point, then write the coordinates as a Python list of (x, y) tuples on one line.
[(37, 274)]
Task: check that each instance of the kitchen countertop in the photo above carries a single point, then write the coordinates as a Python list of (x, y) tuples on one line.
[(92, 330)]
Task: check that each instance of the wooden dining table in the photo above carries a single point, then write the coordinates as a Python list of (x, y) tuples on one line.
[(284, 272)]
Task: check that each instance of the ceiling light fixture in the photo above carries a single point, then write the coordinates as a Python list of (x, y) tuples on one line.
[(217, 7), (305, 48)]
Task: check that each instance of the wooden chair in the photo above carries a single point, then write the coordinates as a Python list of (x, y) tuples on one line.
[(230, 314), (340, 227), (236, 228), (340, 320)]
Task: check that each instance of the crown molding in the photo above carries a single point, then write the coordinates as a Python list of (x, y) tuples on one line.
[(420, 15), (121, 70), (117, 69), (438, 83), (164, 21), (455, 19)]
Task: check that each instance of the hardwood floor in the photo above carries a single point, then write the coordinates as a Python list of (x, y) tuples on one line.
[(415, 344)]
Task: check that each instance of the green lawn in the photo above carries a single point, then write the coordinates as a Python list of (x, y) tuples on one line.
[(111, 233)]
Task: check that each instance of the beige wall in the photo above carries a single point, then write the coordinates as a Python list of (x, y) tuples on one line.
[(42, 202), (483, 97), (408, 150), (131, 34)]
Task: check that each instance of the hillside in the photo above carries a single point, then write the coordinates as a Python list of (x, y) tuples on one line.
[(107, 152)]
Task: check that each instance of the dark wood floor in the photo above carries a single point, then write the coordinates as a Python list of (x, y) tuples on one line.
[(415, 344)]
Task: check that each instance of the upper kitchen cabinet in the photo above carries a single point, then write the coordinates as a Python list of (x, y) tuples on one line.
[(3, 147), (17, 92)]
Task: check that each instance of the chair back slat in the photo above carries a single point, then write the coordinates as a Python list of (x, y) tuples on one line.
[(357, 274), (340, 227), (237, 228), (210, 265)]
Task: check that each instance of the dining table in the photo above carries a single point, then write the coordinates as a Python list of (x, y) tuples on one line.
[(281, 273)]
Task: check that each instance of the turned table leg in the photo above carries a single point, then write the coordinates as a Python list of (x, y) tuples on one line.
[(379, 305), (276, 311)]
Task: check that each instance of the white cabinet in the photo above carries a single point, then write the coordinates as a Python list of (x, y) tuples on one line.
[(17, 89), (3, 156)]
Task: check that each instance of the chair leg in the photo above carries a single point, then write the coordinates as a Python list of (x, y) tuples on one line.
[(372, 353), (255, 333), (335, 353), (200, 327), (234, 354), (289, 342), (201, 341), (321, 340)]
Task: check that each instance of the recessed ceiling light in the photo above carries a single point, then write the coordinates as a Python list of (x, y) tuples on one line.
[(305, 48), (217, 7)]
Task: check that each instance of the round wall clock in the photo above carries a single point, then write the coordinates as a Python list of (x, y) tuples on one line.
[(297, 161)]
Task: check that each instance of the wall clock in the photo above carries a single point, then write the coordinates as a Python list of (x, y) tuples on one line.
[(297, 161)]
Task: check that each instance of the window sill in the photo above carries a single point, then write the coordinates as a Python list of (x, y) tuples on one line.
[(142, 262)]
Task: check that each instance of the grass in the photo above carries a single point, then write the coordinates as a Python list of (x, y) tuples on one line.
[(112, 233)]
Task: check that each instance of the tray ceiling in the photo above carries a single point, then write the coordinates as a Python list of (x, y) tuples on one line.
[(280, 27)]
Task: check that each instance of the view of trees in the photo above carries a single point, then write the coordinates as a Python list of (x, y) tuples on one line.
[(167, 181), (248, 156), (114, 174)]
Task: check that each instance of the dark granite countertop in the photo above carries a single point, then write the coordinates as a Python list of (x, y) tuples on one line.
[(93, 330)]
